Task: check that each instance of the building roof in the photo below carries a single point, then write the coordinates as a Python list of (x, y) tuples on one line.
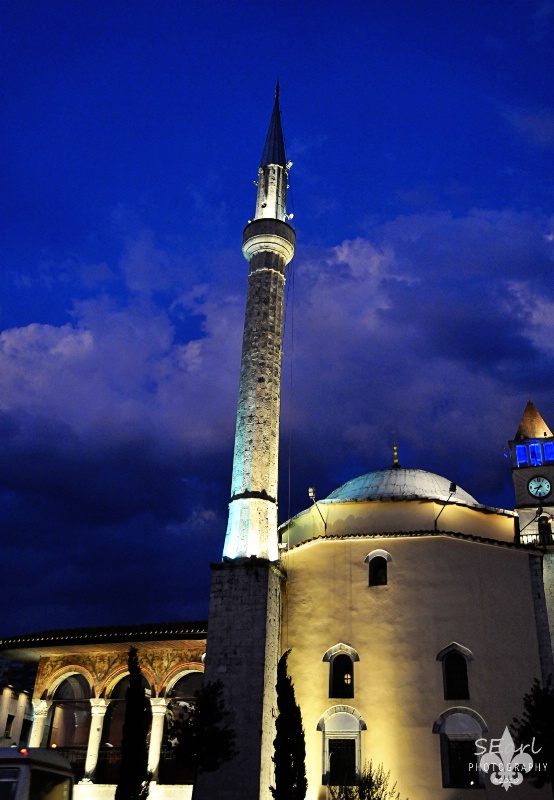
[(400, 484), (465, 537), (274, 148), (532, 425), (32, 645)]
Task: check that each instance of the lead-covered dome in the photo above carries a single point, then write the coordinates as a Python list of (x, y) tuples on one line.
[(400, 484)]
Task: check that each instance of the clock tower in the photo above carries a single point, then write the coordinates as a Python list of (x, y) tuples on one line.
[(532, 452)]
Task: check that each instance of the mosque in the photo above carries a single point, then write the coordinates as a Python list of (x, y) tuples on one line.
[(417, 618)]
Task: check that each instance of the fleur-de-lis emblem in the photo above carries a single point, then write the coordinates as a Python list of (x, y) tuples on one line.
[(505, 763)]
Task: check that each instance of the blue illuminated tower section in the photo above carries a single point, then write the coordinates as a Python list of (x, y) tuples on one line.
[(268, 246)]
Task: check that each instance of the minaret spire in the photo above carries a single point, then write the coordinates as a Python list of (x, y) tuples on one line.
[(268, 246), (274, 148)]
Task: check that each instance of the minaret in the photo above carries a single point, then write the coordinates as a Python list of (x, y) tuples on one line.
[(245, 601), (268, 246)]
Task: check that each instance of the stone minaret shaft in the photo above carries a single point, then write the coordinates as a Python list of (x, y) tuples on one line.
[(245, 601), (268, 246)]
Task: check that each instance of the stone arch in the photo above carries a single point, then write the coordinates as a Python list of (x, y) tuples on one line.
[(62, 674), (341, 709), (378, 554), (176, 674), (112, 679), (121, 671), (440, 721), (341, 648), (455, 647)]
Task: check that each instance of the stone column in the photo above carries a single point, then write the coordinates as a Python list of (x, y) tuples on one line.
[(41, 709), (98, 708), (159, 706)]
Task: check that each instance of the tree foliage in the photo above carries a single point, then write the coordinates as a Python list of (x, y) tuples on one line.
[(373, 784), (204, 739), (289, 744), (535, 731), (134, 778)]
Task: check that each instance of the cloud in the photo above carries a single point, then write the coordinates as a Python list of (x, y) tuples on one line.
[(536, 125), (437, 323), (117, 427)]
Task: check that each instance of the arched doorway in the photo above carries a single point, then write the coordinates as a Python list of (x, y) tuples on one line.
[(68, 723), (109, 754), (181, 697)]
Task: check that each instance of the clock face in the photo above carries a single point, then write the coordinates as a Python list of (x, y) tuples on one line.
[(539, 486)]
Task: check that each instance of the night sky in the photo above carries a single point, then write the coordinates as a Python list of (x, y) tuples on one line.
[(420, 301)]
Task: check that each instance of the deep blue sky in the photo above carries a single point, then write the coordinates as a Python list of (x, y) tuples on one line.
[(421, 298)]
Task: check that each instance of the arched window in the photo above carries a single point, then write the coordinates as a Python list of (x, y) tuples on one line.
[(378, 571), (341, 659), (454, 671), (341, 682), (455, 677), (341, 727), (378, 567), (459, 729)]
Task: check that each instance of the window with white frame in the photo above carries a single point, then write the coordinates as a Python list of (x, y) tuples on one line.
[(341, 658), (458, 730), (378, 561), (341, 727)]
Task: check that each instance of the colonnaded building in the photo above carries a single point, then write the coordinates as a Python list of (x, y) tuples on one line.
[(417, 618)]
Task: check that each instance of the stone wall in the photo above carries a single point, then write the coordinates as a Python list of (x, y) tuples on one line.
[(548, 577), (244, 647), (541, 614)]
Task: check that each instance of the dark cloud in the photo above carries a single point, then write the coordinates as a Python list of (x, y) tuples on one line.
[(117, 428)]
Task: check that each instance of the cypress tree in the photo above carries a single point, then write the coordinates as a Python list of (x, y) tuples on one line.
[(134, 778), (289, 744), (535, 731), (205, 741)]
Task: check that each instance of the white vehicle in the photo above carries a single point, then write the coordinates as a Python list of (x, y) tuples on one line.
[(34, 774)]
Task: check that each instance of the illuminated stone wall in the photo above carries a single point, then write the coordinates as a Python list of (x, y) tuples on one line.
[(440, 590), (382, 516)]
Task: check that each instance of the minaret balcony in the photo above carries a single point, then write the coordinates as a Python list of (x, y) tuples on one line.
[(268, 235)]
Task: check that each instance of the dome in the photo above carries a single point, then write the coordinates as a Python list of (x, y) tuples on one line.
[(399, 484)]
